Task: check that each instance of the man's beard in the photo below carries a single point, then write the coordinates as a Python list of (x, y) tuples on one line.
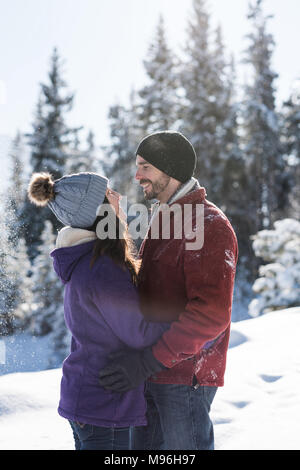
[(157, 187)]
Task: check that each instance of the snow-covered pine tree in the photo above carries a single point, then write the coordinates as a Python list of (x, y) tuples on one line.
[(15, 281), (225, 150), (81, 160), (6, 284), (291, 138), (16, 265), (49, 142), (261, 143), (196, 79), (15, 192), (233, 194), (125, 134), (48, 311), (151, 109), (158, 99), (51, 135), (93, 155), (209, 115), (76, 161), (279, 283), (47, 288), (21, 286)]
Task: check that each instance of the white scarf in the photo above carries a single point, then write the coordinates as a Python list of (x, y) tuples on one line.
[(182, 191), (69, 236)]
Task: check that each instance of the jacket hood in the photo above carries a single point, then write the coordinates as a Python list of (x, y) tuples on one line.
[(66, 259)]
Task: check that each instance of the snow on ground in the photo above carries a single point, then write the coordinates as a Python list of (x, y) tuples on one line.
[(28, 416), (258, 408)]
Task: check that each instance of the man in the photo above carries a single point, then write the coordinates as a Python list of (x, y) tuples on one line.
[(190, 287)]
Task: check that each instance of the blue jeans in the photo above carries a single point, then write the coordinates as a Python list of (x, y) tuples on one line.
[(90, 437), (178, 418)]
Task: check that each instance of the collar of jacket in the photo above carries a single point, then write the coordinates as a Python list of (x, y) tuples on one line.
[(69, 236), (186, 188)]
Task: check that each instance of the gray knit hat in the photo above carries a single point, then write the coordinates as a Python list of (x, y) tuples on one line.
[(73, 199)]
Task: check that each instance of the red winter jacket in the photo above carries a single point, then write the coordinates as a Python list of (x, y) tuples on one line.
[(193, 289)]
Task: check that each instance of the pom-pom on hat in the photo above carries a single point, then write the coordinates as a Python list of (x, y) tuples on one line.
[(41, 189), (74, 199), (170, 152)]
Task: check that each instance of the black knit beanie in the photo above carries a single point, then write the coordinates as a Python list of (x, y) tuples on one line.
[(170, 152)]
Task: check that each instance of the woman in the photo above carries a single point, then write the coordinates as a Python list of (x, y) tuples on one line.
[(101, 306)]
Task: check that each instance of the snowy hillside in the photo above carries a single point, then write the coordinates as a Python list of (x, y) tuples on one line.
[(258, 408)]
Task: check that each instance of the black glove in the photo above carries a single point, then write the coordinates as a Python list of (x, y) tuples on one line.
[(128, 370)]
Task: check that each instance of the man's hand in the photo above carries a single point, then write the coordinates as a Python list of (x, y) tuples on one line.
[(128, 370)]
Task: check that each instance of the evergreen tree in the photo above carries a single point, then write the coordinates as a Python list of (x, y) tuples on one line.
[(16, 190), (51, 135), (225, 142), (125, 135), (76, 161), (6, 284), (278, 285), (196, 80), (227, 164), (91, 152), (95, 154), (15, 282), (233, 193), (291, 138), (158, 104), (261, 143), (82, 160), (208, 110), (15, 262), (21, 287), (50, 144), (153, 108), (47, 288)]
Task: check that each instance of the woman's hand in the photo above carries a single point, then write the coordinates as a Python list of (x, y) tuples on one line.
[(114, 199)]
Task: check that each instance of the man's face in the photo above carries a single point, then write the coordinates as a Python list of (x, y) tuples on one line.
[(152, 180)]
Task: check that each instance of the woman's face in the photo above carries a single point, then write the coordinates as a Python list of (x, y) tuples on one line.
[(114, 199)]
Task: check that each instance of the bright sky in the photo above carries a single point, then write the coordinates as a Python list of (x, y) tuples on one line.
[(104, 43)]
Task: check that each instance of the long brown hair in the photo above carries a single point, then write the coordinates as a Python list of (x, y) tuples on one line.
[(120, 249)]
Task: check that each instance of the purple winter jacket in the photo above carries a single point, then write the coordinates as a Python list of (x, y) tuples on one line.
[(102, 312)]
